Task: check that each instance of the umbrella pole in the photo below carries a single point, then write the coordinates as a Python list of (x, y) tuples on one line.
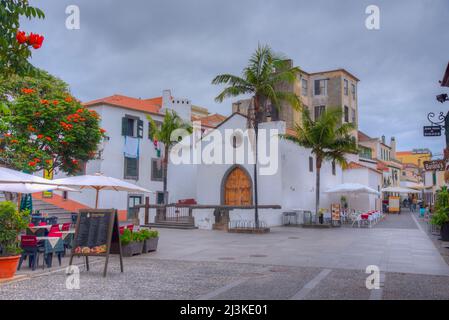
[(19, 198), (96, 198)]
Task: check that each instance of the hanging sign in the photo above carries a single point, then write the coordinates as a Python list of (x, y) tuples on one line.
[(432, 131), (435, 165)]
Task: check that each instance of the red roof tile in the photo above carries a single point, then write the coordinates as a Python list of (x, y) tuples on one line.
[(152, 105)]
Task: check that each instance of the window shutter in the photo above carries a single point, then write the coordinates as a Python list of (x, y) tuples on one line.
[(317, 87), (139, 129), (124, 126)]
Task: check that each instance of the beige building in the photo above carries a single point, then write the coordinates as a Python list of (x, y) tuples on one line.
[(318, 91)]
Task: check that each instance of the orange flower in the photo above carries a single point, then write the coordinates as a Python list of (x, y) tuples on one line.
[(14, 141), (40, 136), (48, 138), (74, 161), (27, 91), (68, 99), (47, 161), (32, 163), (55, 102), (7, 134), (102, 130), (37, 160), (43, 101), (31, 128)]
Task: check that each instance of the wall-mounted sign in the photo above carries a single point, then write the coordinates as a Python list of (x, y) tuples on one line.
[(435, 165), (432, 131)]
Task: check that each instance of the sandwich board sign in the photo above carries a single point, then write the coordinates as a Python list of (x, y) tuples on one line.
[(97, 235)]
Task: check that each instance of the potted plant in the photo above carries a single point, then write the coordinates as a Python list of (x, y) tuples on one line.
[(440, 216), (151, 238), (12, 223), (132, 243)]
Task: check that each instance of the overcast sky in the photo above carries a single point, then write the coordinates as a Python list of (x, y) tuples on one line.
[(140, 47)]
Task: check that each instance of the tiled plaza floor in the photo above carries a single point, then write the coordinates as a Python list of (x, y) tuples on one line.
[(288, 263)]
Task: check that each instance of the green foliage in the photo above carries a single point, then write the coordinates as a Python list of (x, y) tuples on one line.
[(126, 238), (13, 55), (441, 214), (12, 223), (265, 73), (148, 234), (167, 131), (45, 127)]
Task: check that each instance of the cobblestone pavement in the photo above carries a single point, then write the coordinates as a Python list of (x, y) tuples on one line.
[(288, 263)]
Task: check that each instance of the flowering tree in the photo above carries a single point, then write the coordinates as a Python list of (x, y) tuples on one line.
[(50, 130), (15, 45)]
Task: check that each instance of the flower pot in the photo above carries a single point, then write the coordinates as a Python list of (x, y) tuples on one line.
[(132, 249), (150, 245), (8, 266), (444, 231)]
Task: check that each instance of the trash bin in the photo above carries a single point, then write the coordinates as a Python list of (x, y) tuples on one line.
[(289, 218), (422, 212)]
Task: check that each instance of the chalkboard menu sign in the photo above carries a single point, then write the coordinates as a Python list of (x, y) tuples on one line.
[(97, 234)]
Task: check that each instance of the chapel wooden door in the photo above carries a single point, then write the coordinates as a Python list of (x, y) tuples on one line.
[(237, 188)]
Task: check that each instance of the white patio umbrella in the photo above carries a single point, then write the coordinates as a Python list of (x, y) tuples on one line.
[(399, 190), (352, 188), (99, 182), (14, 176), (32, 187)]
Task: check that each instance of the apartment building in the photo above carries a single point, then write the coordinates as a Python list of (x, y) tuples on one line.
[(318, 91)]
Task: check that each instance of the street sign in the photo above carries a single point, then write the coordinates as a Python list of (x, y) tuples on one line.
[(432, 131), (435, 165)]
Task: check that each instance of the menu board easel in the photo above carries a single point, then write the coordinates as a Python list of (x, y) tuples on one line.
[(97, 235), (336, 214)]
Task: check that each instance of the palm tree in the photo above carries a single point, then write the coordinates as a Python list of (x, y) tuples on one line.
[(163, 133), (261, 78), (327, 139)]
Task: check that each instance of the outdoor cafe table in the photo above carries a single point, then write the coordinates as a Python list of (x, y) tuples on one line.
[(52, 245)]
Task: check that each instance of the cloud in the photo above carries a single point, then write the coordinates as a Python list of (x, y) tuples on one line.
[(141, 47)]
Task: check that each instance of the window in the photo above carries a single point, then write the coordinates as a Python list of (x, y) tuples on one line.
[(346, 114), (319, 110), (133, 200), (354, 117), (310, 164), (160, 197), (353, 91), (304, 87), (132, 127), (334, 168), (321, 87), (131, 168), (150, 131), (346, 87), (434, 178), (156, 169)]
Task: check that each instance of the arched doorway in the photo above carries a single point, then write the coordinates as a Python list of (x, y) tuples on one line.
[(237, 187)]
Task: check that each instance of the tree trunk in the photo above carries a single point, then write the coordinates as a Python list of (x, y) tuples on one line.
[(165, 173), (256, 132), (317, 187)]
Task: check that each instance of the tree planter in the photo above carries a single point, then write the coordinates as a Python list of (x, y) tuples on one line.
[(134, 248), (150, 245), (444, 231), (8, 266)]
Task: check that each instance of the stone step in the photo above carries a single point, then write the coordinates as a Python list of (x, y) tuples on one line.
[(171, 225)]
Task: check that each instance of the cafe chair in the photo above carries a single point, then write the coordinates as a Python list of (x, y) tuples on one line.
[(54, 228), (65, 227), (31, 250)]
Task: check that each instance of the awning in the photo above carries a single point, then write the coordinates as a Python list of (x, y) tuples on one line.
[(399, 190), (353, 188)]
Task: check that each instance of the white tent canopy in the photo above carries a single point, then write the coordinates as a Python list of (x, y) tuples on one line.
[(13, 176), (31, 187), (412, 185), (399, 190), (352, 188), (99, 182)]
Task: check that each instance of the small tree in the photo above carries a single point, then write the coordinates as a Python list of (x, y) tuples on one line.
[(45, 127), (164, 133), (441, 214), (12, 223), (327, 140)]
